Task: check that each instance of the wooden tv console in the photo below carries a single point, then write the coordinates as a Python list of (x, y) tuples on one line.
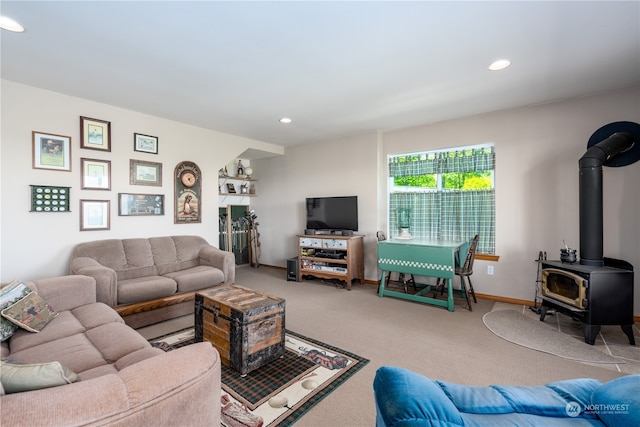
[(331, 257)]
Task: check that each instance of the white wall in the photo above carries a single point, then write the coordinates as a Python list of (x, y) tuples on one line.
[(537, 153), (342, 167), (36, 245)]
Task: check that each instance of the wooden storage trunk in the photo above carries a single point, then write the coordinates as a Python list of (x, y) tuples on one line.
[(245, 326)]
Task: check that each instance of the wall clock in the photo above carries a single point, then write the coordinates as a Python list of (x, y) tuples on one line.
[(188, 191)]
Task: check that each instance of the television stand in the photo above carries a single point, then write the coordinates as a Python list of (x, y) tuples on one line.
[(331, 257)]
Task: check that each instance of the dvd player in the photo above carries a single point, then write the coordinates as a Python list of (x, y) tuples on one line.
[(332, 255)]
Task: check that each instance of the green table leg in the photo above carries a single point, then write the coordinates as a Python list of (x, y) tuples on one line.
[(450, 296)]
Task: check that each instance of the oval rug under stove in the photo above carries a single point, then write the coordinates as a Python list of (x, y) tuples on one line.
[(531, 333)]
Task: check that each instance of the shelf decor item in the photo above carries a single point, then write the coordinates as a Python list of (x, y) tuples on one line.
[(404, 220), (45, 198), (231, 188), (51, 151), (140, 204), (96, 174), (94, 215), (145, 173), (95, 134), (187, 196), (145, 143)]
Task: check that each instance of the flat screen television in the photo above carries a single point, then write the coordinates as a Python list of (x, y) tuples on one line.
[(332, 213)]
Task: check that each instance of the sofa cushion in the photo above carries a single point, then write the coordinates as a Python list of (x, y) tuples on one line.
[(67, 323), (176, 253), (479, 400), (64, 325), (145, 288), (76, 352), (96, 314), (192, 279), (618, 401), (17, 377), (116, 340), (537, 400), (31, 313)]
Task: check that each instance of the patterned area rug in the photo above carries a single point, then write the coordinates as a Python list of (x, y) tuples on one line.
[(280, 392)]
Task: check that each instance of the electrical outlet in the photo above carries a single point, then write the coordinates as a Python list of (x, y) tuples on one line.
[(490, 270)]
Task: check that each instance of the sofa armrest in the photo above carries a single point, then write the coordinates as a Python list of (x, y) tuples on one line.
[(66, 292), (181, 387), (105, 277), (225, 261), (405, 398)]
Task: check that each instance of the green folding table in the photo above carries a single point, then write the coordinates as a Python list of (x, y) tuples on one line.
[(434, 258)]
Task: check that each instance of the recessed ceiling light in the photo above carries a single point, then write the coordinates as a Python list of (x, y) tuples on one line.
[(9, 24), (285, 120), (500, 64)]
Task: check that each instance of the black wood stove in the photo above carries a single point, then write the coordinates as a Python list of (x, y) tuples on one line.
[(596, 291)]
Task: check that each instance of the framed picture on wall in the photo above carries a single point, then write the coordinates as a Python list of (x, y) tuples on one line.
[(145, 173), (140, 204), (95, 134), (96, 174), (51, 151), (94, 215), (145, 143)]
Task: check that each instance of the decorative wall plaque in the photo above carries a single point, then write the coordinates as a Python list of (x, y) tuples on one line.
[(188, 190), (45, 198)]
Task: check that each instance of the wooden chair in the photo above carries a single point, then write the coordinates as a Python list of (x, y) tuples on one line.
[(464, 271), (401, 276)]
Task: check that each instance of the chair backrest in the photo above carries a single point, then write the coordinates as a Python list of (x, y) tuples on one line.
[(380, 235), (467, 267)]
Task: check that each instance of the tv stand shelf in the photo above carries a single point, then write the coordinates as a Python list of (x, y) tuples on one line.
[(331, 257)]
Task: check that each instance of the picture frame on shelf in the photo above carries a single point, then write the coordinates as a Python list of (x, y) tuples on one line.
[(140, 204), (145, 173), (231, 188), (145, 143), (95, 134), (96, 174), (95, 215), (51, 151)]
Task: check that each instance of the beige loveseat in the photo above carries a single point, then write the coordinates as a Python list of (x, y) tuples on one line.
[(150, 280), (124, 381)]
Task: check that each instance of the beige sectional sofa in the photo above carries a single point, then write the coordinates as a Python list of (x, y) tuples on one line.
[(150, 280), (123, 380)]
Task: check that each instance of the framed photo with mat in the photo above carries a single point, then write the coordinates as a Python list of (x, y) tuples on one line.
[(51, 151)]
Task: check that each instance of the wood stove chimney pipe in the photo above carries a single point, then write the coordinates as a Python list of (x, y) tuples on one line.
[(591, 205)]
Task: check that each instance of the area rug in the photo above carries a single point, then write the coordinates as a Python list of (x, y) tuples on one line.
[(531, 333), (280, 392)]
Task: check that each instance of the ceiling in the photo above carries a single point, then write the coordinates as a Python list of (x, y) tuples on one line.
[(335, 68)]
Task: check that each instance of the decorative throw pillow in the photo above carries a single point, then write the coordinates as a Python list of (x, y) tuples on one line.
[(17, 377), (31, 313), (9, 295)]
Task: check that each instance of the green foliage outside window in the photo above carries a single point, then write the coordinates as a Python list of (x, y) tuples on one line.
[(450, 181)]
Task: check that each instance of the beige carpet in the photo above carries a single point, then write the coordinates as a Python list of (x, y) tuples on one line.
[(531, 333), (447, 346)]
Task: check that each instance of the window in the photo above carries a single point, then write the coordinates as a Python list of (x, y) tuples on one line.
[(449, 194)]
